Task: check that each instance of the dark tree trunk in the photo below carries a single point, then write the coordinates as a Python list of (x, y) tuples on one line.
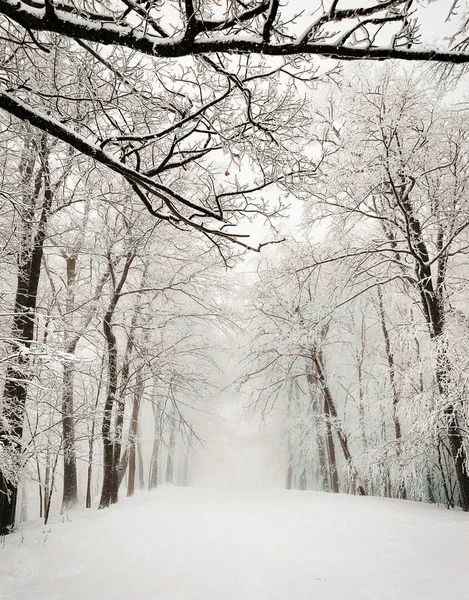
[(50, 488), (109, 467), (123, 465), (332, 461), (431, 294), (119, 465), (29, 270), (89, 477), (436, 319), (108, 445), (132, 468), (70, 491)]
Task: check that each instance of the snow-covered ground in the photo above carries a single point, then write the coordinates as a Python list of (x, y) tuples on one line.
[(195, 544)]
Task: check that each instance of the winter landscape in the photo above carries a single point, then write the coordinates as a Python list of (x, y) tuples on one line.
[(234, 299)]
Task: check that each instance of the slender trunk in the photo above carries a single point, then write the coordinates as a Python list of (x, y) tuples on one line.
[(123, 464), (133, 433), (91, 444), (170, 456), (401, 489), (289, 473), (301, 485), (185, 470), (119, 465), (132, 468), (332, 462), (108, 445), (153, 478), (24, 505), (50, 488), (361, 390), (430, 490), (328, 465), (70, 491), (331, 413), (140, 466), (39, 482), (108, 492), (185, 463), (312, 380)]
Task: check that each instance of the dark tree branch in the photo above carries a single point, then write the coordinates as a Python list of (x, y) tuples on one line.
[(140, 182), (269, 22), (108, 32)]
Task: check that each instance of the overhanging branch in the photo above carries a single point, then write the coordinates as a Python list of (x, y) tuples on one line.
[(105, 31), (140, 182)]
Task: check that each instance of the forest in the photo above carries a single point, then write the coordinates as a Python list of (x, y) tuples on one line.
[(246, 200)]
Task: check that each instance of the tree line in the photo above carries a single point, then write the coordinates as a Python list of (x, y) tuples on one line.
[(360, 336)]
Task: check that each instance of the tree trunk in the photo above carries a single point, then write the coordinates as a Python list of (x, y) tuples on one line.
[(401, 489), (331, 412), (432, 301), (185, 462), (108, 493), (24, 505), (324, 471), (134, 432), (70, 491), (17, 376), (289, 474), (91, 443), (333, 473), (108, 445), (140, 466), (118, 465), (301, 484), (153, 478), (50, 488), (170, 456)]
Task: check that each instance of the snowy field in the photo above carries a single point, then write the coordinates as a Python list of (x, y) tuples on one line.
[(195, 544)]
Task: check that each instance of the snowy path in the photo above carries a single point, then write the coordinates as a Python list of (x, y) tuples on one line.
[(189, 544)]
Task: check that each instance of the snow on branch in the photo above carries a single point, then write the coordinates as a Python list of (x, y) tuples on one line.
[(376, 30), (172, 204)]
